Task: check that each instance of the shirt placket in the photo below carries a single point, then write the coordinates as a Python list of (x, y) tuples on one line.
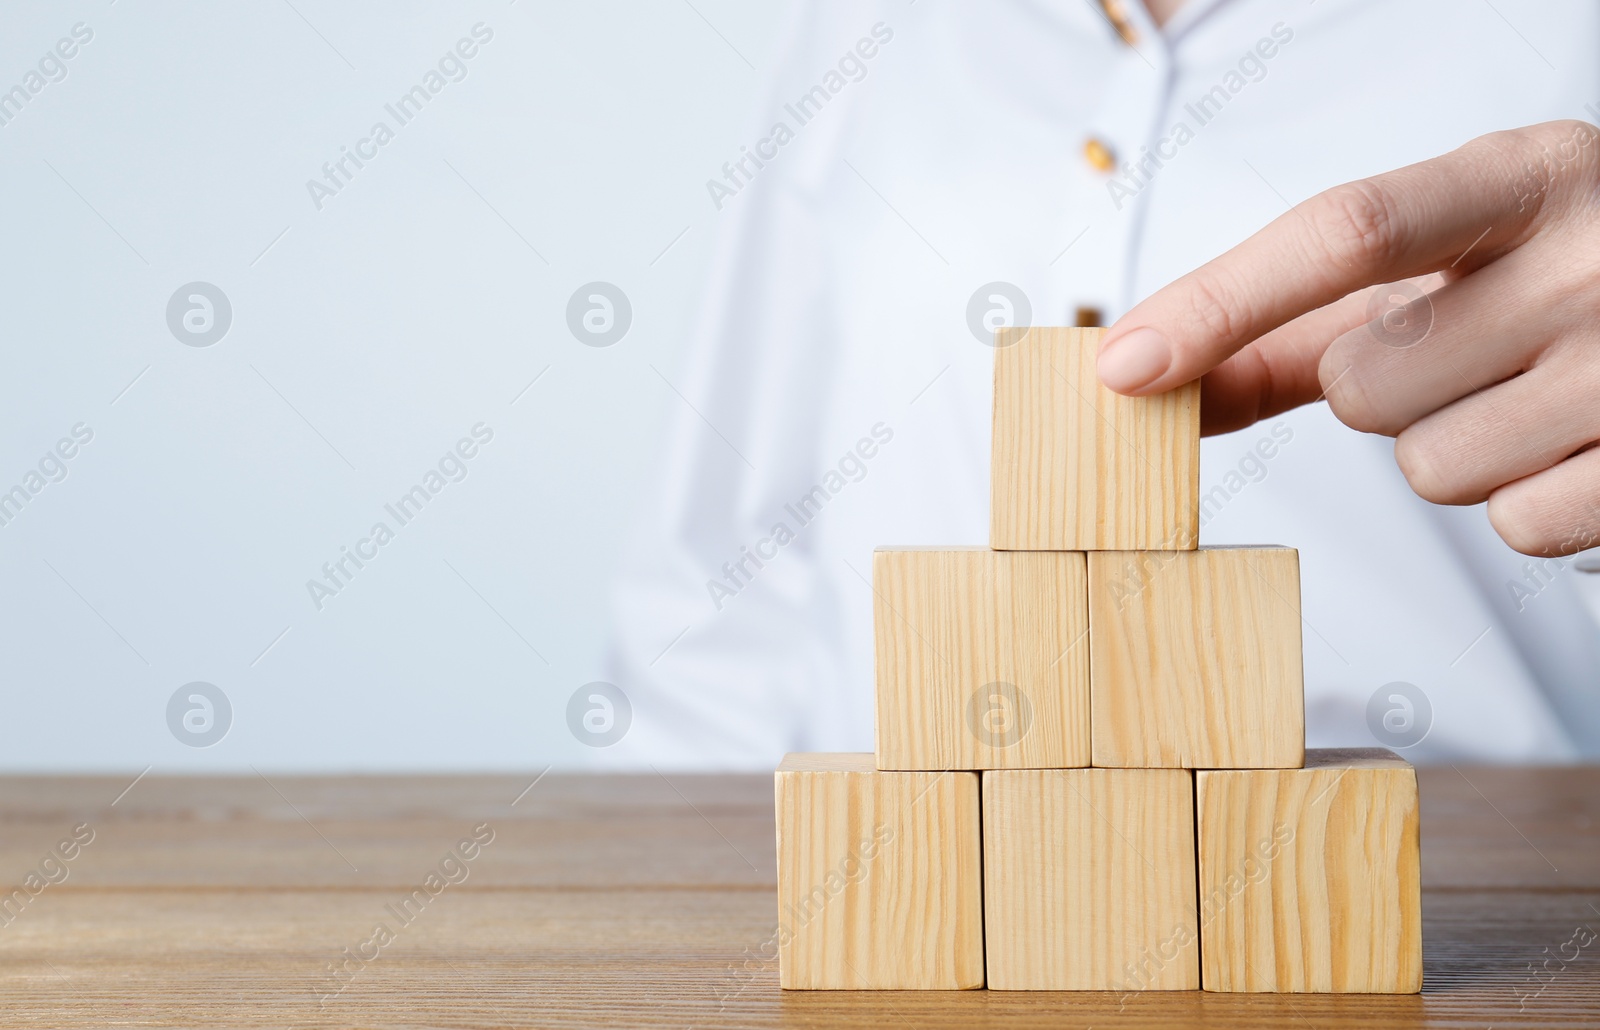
[(1119, 165)]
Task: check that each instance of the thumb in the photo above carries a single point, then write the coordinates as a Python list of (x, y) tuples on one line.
[(1276, 372)]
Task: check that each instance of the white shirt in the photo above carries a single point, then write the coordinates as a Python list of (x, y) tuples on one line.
[(839, 302)]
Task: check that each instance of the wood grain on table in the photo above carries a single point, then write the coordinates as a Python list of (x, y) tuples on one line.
[(645, 901)]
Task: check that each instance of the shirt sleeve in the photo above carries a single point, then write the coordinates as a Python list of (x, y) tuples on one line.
[(718, 629)]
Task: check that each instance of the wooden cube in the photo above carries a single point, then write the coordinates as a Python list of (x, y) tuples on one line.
[(1077, 467), (879, 877), (982, 658), (1310, 878), (1195, 658), (1089, 880)]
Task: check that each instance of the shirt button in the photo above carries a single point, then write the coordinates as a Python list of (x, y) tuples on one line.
[(1098, 155)]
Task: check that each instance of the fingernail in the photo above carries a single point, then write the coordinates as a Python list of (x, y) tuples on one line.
[(1134, 360)]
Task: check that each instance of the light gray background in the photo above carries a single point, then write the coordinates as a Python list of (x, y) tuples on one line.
[(367, 338)]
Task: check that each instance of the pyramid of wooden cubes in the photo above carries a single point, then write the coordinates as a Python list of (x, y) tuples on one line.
[(1091, 770)]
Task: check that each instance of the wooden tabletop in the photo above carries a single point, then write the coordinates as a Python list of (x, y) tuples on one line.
[(589, 901)]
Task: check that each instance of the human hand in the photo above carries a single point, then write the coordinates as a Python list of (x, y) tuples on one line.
[(1479, 353)]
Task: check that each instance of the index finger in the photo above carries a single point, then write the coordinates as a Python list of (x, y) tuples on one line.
[(1401, 224)]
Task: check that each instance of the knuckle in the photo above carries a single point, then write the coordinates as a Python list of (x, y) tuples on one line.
[(1565, 140), (1215, 307), (1517, 144), (1357, 221), (1434, 472), (1349, 397), (1553, 161), (1523, 521)]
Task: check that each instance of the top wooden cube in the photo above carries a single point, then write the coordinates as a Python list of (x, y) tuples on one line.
[(1077, 467)]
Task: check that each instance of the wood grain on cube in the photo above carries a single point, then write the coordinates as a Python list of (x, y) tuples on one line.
[(1195, 658), (1310, 879), (1089, 880), (879, 876), (1077, 467), (982, 658)]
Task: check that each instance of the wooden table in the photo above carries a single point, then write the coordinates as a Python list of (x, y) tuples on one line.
[(644, 900)]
